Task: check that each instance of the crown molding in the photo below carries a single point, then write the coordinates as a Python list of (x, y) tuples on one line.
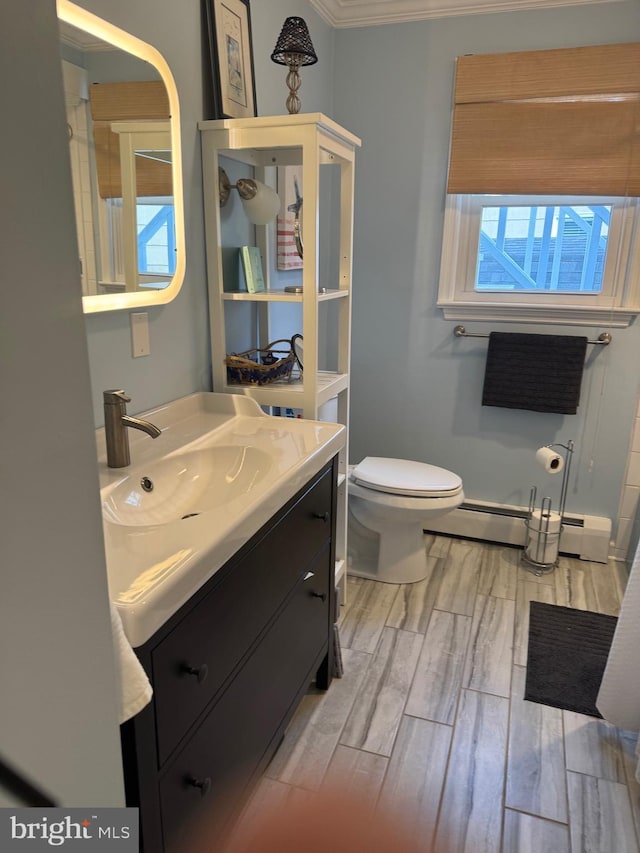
[(363, 13), (78, 39)]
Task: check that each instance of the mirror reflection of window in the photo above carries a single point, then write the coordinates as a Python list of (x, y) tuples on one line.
[(133, 165), (156, 243), (106, 87), (156, 238)]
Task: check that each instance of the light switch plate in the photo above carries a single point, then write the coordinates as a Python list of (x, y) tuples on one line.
[(140, 334)]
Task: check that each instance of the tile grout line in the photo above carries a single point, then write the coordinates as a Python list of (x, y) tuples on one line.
[(537, 816), (507, 750), (580, 589), (395, 739), (371, 657), (454, 725)]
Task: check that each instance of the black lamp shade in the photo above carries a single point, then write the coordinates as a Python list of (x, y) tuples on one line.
[(294, 39)]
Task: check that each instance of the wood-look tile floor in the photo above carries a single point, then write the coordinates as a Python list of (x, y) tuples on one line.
[(429, 723)]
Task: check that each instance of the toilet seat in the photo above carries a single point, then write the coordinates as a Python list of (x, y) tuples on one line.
[(404, 477)]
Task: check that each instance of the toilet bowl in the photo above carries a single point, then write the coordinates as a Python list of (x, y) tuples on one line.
[(390, 503)]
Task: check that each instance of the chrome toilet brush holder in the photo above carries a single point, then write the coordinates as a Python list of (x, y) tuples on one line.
[(544, 527)]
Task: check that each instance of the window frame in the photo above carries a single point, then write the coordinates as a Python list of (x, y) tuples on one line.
[(112, 274), (616, 305)]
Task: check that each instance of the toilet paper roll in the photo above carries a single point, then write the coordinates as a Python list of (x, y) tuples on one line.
[(537, 552), (551, 461), (544, 536), (545, 521)]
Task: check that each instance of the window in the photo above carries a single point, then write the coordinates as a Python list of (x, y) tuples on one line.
[(534, 245), (156, 245), (541, 220), (133, 174), (553, 259), (156, 236)]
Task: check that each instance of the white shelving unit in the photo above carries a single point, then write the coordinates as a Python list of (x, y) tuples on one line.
[(313, 141)]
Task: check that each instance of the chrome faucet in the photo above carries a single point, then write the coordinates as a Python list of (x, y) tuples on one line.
[(116, 422)]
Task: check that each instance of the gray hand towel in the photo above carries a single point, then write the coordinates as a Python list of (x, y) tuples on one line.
[(541, 373)]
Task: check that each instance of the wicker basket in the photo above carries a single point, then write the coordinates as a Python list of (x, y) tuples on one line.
[(261, 366)]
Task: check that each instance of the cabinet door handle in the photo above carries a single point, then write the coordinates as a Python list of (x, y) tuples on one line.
[(204, 785), (321, 595), (322, 516), (200, 672)]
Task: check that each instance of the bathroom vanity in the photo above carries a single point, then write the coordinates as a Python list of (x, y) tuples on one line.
[(231, 662), (228, 671)]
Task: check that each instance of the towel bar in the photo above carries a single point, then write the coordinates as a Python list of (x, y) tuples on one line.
[(604, 338)]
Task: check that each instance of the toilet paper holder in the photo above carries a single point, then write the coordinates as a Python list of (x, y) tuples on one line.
[(544, 526)]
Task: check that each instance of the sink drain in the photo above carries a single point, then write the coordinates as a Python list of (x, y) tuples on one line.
[(190, 515), (146, 484)]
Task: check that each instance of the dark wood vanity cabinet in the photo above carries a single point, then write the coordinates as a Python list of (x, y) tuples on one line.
[(228, 671)]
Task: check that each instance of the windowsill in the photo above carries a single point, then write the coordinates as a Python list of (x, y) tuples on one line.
[(559, 315), (616, 305)]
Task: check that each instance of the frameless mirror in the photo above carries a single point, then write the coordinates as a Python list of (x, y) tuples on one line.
[(124, 144)]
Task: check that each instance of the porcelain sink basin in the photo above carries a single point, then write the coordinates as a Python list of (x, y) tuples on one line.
[(218, 472), (186, 485)]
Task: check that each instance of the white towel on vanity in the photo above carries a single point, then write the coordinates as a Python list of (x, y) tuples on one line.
[(133, 685)]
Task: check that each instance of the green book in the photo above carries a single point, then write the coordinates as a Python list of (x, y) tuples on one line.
[(252, 266)]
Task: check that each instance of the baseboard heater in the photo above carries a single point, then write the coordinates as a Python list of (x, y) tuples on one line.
[(584, 536)]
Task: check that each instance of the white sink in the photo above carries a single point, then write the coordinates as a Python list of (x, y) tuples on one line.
[(183, 485), (220, 469)]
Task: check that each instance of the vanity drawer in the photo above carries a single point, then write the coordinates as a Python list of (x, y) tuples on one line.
[(228, 748), (195, 660)]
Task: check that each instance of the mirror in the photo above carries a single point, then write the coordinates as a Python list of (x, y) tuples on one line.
[(124, 143)]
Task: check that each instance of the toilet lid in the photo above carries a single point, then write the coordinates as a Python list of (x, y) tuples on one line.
[(404, 477)]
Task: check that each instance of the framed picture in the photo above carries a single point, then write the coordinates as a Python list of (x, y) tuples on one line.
[(232, 83), (290, 192)]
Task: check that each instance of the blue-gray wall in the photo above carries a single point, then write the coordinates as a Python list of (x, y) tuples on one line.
[(416, 390)]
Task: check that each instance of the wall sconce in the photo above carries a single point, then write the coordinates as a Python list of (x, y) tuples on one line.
[(294, 48), (261, 203)]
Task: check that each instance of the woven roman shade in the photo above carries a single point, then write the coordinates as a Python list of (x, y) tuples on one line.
[(561, 122), (130, 101)]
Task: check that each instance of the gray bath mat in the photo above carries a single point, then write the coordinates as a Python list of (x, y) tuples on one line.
[(568, 650)]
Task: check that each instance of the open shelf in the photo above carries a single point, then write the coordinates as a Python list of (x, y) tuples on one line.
[(280, 296), (328, 386), (324, 154)]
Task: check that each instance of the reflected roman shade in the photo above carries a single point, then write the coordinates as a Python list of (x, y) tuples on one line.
[(548, 122), (130, 101)]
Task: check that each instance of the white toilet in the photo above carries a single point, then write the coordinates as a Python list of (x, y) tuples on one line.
[(390, 502)]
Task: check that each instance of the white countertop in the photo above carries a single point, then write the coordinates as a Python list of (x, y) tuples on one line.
[(153, 569)]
